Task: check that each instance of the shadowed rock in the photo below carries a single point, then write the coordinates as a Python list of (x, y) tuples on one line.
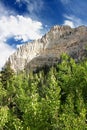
[(47, 50)]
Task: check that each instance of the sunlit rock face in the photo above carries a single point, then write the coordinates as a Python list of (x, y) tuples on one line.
[(47, 50)]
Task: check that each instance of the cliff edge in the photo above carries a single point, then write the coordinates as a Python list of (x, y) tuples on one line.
[(47, 50)]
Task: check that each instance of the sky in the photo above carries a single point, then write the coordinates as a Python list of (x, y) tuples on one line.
[(22, 21)]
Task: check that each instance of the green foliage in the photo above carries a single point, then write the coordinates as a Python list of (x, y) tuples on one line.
[(3, 116), (47, 100), (6, 75)]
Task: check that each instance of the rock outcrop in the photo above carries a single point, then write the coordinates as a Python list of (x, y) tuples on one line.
[(47, 50)]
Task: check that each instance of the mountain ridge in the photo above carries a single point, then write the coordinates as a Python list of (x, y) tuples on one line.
[(47, 50)]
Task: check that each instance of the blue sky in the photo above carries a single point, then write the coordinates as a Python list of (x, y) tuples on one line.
[(22, 21)]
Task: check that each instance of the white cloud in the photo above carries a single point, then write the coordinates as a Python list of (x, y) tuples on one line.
[(16, 26), (76, 8), (73, 21), (4, 11), (69, 23), (5, 51), (33, 6), (19, 45), (20, 27)]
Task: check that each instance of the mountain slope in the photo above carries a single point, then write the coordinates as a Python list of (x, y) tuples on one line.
[(47, 50)]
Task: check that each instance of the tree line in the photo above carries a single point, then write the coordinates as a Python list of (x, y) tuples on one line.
[(50, 99)]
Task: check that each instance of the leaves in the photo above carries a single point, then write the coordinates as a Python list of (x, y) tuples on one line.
[(52, 100)]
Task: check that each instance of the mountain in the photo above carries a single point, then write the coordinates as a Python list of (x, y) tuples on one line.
[(47, 50)]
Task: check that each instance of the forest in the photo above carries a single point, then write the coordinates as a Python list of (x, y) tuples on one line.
[(52, 98)]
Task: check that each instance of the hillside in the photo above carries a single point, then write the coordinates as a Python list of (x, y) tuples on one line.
[(47, 50)]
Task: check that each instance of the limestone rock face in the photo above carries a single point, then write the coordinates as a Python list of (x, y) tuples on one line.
[(47, 50)]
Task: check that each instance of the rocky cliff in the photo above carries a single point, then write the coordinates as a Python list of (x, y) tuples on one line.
[(47, 50)]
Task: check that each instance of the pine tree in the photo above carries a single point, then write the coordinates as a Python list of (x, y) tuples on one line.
[(6, 75)]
